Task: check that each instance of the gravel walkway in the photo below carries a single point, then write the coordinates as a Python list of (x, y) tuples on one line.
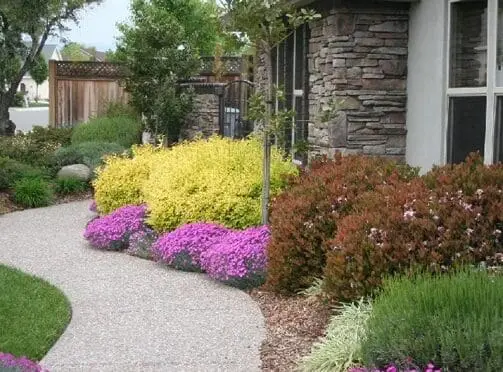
[(130, 314)]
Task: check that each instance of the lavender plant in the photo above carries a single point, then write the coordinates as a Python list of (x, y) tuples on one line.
[(113, 231), (182, 248), (239, 259)]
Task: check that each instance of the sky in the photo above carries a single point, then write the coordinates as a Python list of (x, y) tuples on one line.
[(97, 26)]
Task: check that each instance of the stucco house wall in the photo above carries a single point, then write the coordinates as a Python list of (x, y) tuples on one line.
[(426, 106)]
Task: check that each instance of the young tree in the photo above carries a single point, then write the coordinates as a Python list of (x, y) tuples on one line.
[(266, 23), (160, 48), (39, 71), (36, 20)]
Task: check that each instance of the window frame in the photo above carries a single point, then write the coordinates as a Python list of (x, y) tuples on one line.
[(490, 91)]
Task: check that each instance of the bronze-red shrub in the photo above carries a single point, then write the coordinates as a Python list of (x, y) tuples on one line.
[(408, 225), (305, 217)]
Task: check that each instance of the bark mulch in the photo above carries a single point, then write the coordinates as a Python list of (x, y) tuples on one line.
[(293, 324)]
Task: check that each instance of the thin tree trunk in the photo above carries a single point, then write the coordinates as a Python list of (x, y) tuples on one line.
[(6, 101), (7, 98), (266, 166)]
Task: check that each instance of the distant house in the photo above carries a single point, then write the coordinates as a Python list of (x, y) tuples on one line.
[(86, 54), (28, 85), (420, 80)]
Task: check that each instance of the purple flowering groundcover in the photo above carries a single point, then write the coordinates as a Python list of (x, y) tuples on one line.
[(11, 363), (182, 248), (113, 230), (239, 259)]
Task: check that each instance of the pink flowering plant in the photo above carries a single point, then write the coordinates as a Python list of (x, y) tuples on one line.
[(239, 259), (140, 243), (112, 232), (409, 367), (182, 248), (11, 363)]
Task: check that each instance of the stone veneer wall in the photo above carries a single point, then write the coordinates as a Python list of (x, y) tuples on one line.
[(203, 119), (358, 57)]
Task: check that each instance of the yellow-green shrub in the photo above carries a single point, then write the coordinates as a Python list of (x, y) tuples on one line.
[(119, 181), (216, 180)]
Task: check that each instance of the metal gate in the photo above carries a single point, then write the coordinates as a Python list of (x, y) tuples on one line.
[(234, 109)]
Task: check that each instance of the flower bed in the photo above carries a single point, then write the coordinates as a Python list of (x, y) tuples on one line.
[(234, 257), (112, 232), (182, 248), (239, 259)]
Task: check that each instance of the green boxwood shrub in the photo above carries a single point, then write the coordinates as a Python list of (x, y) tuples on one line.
[(123, 129), (26, 150), (88, 153), (33, 193), (35, 147), (453, 320), (49, 135), (12, 171)]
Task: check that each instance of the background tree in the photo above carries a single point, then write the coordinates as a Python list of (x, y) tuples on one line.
[(36, 20), (266, 23), (110, 56), (160, 48), (39, 72), (76, 52)]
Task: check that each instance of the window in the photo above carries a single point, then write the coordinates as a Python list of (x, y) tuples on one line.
[(468, 44), (467, 126), (291, 75), (475, 81)]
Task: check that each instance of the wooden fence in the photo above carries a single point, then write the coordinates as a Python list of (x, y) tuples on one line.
[(80, 90)]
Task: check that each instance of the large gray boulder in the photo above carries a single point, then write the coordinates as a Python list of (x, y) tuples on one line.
[(78, 171)]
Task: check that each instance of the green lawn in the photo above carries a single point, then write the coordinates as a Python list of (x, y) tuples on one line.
[(33, 314)]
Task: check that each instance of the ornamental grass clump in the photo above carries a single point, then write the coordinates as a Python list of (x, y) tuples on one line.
[(183, 247), (112, 232), (341, 348), (239, 259), (140, 243), (11, 363)]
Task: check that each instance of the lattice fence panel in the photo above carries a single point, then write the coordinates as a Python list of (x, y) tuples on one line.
[(101, 70), (232, 65)]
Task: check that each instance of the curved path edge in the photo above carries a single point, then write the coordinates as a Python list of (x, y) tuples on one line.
[(130, 314)]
